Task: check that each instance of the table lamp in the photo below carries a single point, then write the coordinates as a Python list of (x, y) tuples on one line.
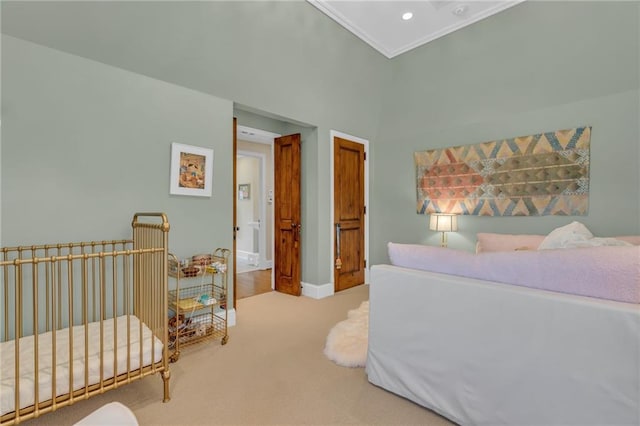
[(443, 222)]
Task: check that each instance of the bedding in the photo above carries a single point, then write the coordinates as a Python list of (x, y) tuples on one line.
[(576, 235), (150, 350), (486, 353), (564, 235), (602, 272), (487, 241), (631, 239), (573, 236)]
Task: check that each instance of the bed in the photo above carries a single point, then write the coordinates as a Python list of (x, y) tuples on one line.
[(79, 319), (486, 351)]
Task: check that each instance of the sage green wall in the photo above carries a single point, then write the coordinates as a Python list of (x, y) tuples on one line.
[(539, 66), (286, 58), (86, 145)]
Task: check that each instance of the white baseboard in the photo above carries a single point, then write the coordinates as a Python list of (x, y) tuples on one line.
[(248, 257), (254, 259), (231, 317), (266, 264), (317, 291)]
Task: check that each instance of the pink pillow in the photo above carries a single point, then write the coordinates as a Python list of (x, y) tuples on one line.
[(632, 239), (507, 242)]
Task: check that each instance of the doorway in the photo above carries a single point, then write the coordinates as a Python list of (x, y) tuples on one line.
[(250, 211), (350, 223), (254, 211)]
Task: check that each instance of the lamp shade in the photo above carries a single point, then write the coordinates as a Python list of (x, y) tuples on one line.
[(443, 222)]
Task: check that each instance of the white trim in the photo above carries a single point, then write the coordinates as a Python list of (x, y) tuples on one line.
[(449, 29), (332, 135), (231, 317), (317, 291), (390, 52), (248, 257), (328, 10), (250, 134)]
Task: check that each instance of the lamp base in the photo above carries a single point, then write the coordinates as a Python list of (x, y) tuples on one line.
[(443, 242)]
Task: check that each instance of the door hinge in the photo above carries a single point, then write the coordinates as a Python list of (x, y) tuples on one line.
[(365, 263), (365, 210), (365, 156)]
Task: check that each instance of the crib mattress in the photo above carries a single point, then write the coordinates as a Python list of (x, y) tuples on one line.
[(140, 353)]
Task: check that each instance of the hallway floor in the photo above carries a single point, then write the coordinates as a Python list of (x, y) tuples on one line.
[(253, 283)]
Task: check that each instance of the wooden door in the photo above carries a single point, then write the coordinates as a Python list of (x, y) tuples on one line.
[(287, 214), (349, 211)]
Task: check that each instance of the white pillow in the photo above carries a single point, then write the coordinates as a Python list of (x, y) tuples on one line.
[(576, 235), (565, 236), (597, 242)]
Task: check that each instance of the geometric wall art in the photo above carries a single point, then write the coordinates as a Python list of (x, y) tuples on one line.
[(541, 174)]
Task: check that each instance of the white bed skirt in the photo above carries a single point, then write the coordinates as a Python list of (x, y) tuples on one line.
[(487, 354), (125, 361)]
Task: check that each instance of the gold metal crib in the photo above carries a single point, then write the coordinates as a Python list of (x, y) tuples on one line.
[(78, 319)]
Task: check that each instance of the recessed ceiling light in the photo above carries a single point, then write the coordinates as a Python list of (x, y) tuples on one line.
[(407, 15)]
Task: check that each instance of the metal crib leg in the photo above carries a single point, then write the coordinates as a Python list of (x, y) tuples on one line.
[(166, 375)]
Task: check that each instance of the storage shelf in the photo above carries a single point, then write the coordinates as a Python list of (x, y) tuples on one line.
[(199, 300), (200, 327), (193, 269), (188, 299)]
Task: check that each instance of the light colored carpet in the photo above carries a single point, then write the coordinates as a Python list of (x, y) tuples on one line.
[(348, 340), (272, 372)]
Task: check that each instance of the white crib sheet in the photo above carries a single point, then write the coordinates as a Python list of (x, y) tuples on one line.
[(45, 350)]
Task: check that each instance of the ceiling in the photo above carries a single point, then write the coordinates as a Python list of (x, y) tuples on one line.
[(379, 22)]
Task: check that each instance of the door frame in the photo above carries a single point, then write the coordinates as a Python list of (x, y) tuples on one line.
[(250, 134), (333, 134)]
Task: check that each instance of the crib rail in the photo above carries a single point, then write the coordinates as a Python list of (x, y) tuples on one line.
[(82, 318)]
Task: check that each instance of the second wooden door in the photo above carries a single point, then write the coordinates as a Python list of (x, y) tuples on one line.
[(349, 211)]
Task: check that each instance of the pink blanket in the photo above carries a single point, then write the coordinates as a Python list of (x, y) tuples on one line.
[(604, 272)]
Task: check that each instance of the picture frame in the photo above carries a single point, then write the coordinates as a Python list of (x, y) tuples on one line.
[(244, 191), (191, 170)]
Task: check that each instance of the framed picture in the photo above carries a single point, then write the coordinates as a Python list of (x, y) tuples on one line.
[(191, 170), (244, 191)]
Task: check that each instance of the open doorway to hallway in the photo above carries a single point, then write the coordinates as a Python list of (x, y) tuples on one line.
[(254, 212)]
